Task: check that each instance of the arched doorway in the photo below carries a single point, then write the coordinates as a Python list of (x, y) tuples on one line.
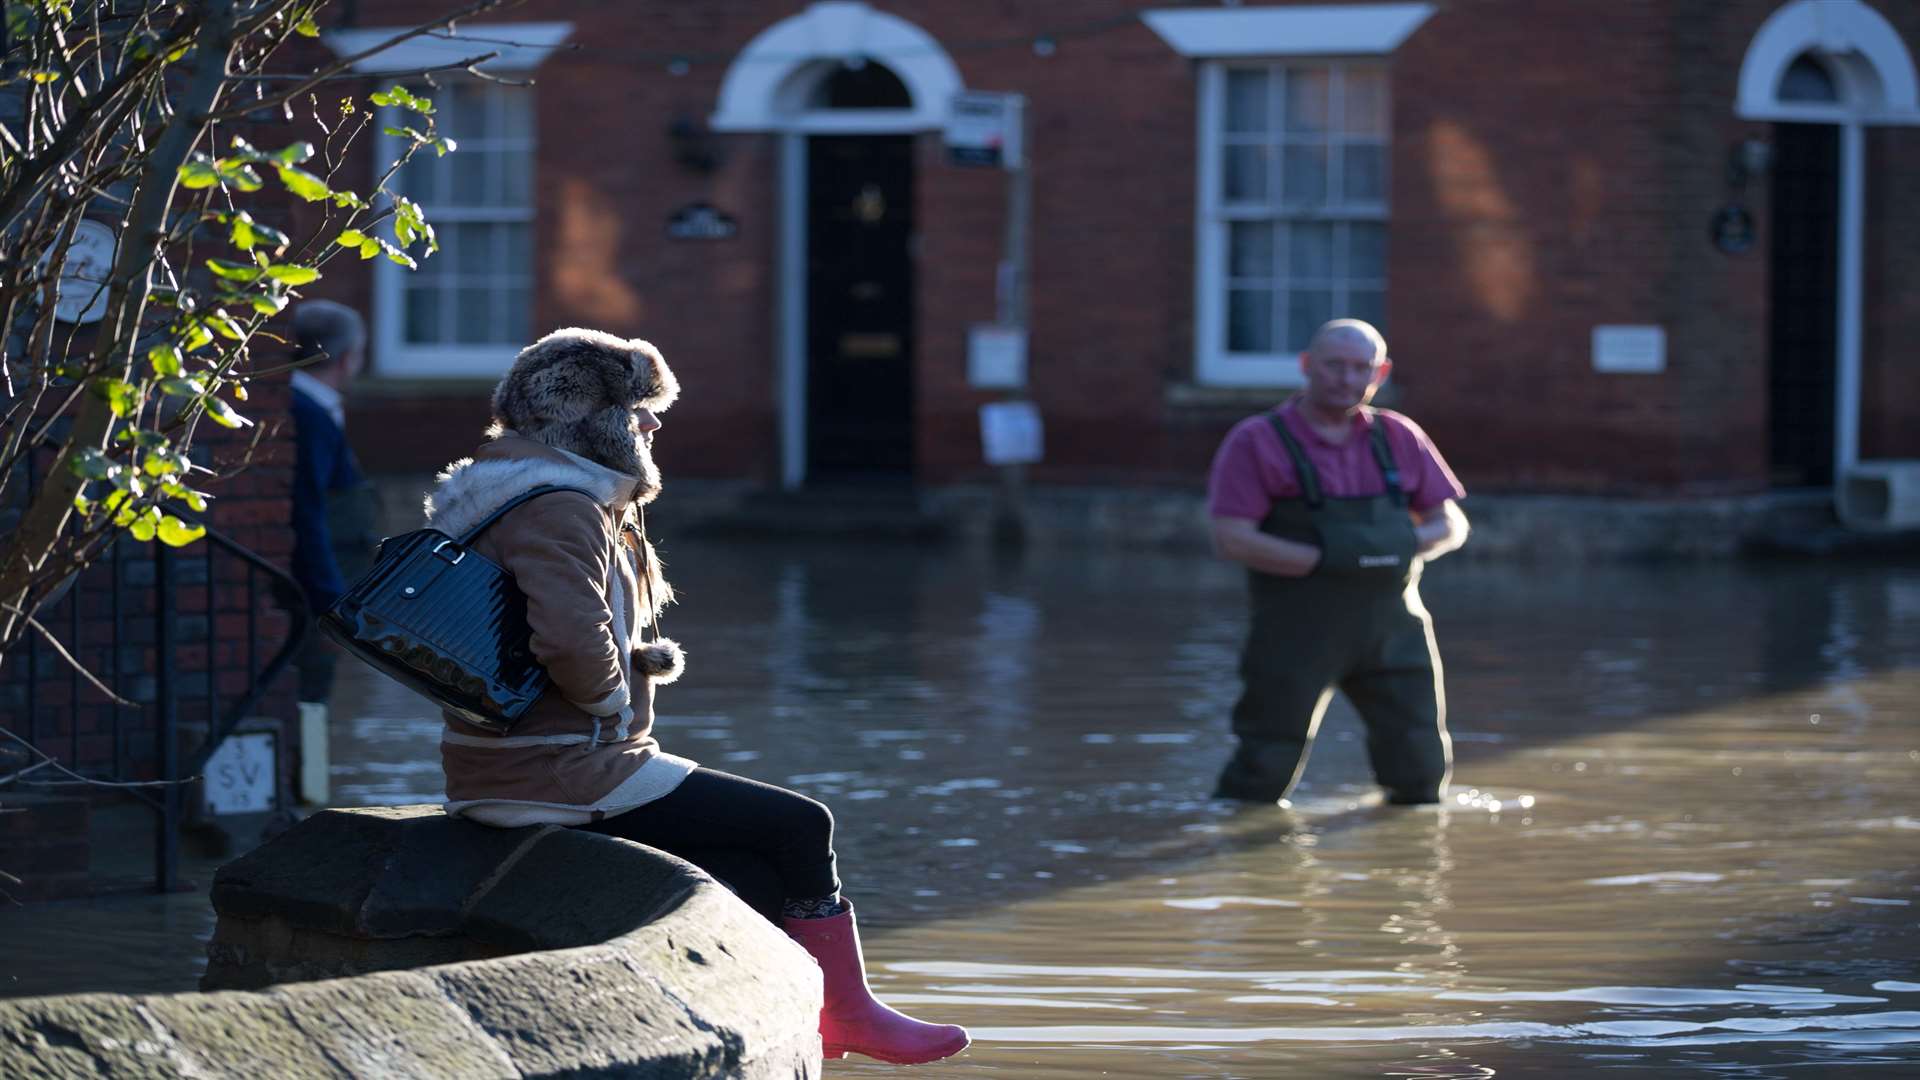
[(1821, 70), (846, 87)]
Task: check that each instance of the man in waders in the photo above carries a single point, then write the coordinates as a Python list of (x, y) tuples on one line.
[(1333, 507)]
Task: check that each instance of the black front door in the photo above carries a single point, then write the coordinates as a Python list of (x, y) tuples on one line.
[(1804, 298), (859, 308)]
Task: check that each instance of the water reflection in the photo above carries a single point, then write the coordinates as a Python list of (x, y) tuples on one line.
[(1683, 838)]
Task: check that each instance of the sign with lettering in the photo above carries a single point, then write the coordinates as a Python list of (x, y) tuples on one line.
[(985, 129), (240, 776), (701, 221), (996, 356), (1010, 433)]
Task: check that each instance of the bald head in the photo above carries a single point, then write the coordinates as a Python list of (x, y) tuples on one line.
[(1348, 336)]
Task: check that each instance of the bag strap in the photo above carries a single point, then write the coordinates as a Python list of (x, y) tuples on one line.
[(468, 537)]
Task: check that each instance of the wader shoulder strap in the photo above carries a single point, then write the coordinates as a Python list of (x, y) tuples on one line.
[(1302, 468), (1383, 453)]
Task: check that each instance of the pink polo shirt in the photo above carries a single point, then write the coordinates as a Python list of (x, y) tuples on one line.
[(1252, 471)]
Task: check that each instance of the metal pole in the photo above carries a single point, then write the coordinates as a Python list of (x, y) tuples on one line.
[(166, 840), (1010, 523)]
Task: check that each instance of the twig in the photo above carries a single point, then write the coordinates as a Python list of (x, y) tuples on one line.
[(68, 657)]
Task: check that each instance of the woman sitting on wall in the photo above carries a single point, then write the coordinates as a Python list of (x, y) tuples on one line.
[(578, 409)]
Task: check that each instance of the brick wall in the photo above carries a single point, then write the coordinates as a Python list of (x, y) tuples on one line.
[(1554, 168)]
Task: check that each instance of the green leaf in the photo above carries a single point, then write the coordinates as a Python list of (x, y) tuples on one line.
[(166, 359), (294, 153), (121, 396), (90, 464), (399, 96), (198, 336), (236, 173), (303, 183), (198, 172), (306, 27), (190, 386), (224, 415), (268, 303), (245, 149), (401, 257), (146, 526), (224, 325), (370, 247), (444, 146), (116, 504), (82, 504), (233, 271), (176, 533), (44, 77), (349, 199), (350, 238), (289, 274)]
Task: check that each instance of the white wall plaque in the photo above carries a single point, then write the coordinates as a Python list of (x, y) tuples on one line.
[(1629, 349), (1010, 433), (83, 277), (240, 776)]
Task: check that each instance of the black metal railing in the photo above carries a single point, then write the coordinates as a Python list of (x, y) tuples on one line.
[(178, 634)]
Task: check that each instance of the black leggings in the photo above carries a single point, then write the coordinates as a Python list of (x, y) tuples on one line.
[(767, 843)]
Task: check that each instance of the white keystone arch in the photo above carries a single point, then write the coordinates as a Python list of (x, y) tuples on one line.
[(1870, 63), (767, 86)]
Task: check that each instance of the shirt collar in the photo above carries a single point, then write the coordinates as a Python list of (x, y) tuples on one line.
[(323, 395), (1362, 422)]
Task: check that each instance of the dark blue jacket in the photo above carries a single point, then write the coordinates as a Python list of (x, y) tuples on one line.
[(323, 465)]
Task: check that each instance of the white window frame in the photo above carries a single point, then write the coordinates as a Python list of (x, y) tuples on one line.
[(1213, 364), (396, 356)]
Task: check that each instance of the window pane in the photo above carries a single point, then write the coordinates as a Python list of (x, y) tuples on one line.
[(516, 176), (1250, 320), (1247, 101), (1366, 251), (1365, 173), (516, 113), (1369, 305), (515, 308), (471, 248), (470, 111), (422, 315), (1310, 252), (1250, 249), (1307, 94), (1305, 180), (1307, 309), (470, 179), (1246, 174), (472, 311), (418, 180), (1366, 94), (519, 257)]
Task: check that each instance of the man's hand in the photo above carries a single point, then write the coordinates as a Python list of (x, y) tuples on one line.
[(1240, 540), (1441, 529)]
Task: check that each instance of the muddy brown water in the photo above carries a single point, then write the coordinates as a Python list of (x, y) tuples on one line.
[(1682, 839)]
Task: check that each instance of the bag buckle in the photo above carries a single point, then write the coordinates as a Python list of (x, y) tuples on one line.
[(459, 552)]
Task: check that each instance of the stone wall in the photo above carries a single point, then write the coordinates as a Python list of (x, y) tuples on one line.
[(442, 948)]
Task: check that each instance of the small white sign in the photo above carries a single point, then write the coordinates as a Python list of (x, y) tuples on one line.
[(83, 277), (984, 129), (996, 356), (1629, 349), (1010, 433), (240, 775)]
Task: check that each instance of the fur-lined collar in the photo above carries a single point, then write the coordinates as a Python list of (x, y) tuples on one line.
[(474, 487)]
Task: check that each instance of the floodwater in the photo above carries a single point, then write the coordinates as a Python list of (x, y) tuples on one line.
[(1682, 842)]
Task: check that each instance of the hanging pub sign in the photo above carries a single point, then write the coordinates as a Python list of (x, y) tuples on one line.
[(984, 129), (701, 221), (1732, 229)]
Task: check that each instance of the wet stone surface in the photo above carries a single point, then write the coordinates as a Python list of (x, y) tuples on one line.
[(1681, 839)]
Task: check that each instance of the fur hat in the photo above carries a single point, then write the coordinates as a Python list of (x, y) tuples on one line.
[(577, 390)]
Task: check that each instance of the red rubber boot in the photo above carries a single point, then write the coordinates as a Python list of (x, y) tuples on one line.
[(852, 1021)]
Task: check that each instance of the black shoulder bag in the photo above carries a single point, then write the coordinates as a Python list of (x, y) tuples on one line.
[(446, 623)]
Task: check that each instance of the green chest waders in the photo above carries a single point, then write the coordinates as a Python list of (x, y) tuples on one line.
[(1355, 623)]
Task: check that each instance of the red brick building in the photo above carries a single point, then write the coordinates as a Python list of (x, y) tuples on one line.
[(1622, 246)]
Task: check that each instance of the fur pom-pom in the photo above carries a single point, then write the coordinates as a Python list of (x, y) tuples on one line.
[(661, 661)]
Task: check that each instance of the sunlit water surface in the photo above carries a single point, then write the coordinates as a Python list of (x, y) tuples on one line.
[(1682, 838)]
